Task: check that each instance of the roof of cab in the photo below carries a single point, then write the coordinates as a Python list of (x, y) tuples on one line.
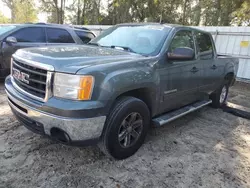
[(65, 26), (161, 24)]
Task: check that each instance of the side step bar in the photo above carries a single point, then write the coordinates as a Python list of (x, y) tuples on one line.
[(170, 116)]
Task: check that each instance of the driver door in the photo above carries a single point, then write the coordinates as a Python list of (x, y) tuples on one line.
[(180, 79)]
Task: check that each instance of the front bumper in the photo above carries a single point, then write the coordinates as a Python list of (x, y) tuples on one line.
[(78, 129)]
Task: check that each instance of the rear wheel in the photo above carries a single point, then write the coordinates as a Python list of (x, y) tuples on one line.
[(126, 128), (219, 97)]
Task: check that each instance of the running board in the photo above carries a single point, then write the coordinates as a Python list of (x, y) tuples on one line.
[(170, 116)]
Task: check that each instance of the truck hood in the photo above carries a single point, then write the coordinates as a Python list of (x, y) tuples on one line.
[(71, 58)]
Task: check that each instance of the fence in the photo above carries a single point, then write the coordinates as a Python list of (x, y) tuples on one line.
[(234, 41)]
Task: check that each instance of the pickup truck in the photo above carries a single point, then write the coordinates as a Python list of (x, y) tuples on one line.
[(110, 92)]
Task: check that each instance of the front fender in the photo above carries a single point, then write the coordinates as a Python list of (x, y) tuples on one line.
[(122, 81)]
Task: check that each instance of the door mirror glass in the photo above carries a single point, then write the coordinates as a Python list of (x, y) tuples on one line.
[(182, 53), (11, 40)]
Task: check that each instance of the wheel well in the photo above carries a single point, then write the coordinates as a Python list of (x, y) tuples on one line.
[(229, 77), (143, 94)]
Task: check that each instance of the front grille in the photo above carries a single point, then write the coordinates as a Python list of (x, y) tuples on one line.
[(34, 83)]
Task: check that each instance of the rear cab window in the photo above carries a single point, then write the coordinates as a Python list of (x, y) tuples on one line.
[(55, 35), (84, 36), (30, 34), (204, 45)]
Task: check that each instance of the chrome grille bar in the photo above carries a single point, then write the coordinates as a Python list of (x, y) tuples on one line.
[(34, 63), (25, 69), (31, 78), (27, 86)]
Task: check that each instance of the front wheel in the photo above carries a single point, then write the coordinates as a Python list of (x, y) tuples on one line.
[(126, 128), (219, 97)]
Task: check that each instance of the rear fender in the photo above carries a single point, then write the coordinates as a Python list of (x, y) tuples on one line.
[(232, 65)]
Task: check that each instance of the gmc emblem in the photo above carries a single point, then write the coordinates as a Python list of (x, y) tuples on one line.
[(20, 76)]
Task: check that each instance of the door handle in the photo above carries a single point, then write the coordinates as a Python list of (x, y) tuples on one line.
[(194, 70), (214, 67)]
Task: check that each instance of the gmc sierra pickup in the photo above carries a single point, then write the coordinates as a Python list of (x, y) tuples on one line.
[(111, 91)]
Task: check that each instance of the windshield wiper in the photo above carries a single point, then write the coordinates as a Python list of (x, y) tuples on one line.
[(94, 43), (113, 46), (124, 48)]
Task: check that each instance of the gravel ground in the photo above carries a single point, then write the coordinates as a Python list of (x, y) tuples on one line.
[(208, 148)]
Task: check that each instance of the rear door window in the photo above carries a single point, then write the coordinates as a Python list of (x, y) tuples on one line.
[(205, 45), (84, 36), (56, 35), (30, 34)]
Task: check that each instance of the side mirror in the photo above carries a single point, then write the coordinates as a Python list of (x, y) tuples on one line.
[(183, 53), (11, 40)]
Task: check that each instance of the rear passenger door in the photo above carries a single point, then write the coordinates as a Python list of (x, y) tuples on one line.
[(58, 36), (211, 70)]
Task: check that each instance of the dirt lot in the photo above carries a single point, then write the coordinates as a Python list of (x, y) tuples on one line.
[(208, 148)]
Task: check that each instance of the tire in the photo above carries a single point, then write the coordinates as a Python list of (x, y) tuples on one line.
[(217, 99), (119, 124)]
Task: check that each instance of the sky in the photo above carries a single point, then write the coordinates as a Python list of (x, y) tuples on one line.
[(4, 10), (42, 17)]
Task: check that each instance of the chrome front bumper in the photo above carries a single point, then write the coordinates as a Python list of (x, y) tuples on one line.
[(77, 129)]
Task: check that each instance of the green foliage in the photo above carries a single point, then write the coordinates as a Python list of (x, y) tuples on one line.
[(242, 14), (186, 12), (3, 19), (82, 12), (25, 11), (52, 17), (22, 11)]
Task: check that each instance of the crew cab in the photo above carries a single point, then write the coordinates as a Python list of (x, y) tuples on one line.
[(111, 91)]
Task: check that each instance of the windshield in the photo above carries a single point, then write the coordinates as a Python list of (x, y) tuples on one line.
[(142, 39), (4, 29)]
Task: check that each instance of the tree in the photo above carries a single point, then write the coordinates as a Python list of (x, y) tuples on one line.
[(11, 5), (55, 8), (3, 19), (242, 14), (22, 11), (186, 12), (85, 12), (196, 14), (25, 12)]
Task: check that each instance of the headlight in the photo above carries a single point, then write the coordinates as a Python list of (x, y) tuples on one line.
[(75, 87)]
